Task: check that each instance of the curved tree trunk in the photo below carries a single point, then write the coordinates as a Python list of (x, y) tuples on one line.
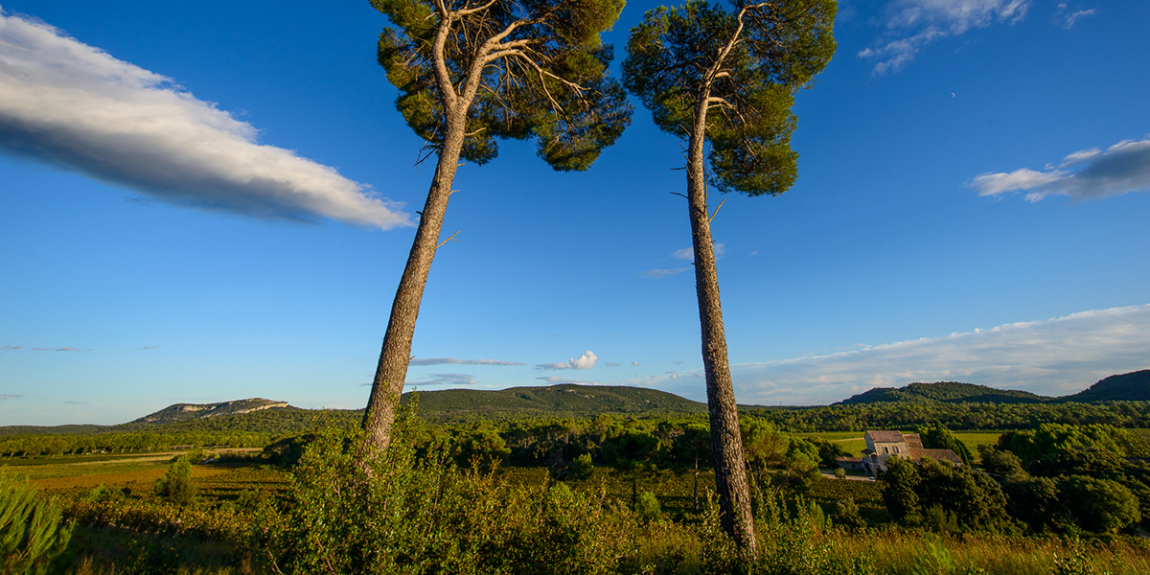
[(391, 371), (730, 466)]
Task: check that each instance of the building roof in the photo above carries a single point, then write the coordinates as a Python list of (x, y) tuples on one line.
[(885, 436), (913, 440), (938, 454)]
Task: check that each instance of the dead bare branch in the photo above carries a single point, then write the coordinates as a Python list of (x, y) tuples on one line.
[(712, 218), (451, 239)]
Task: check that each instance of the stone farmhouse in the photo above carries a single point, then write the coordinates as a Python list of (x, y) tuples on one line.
[(882, 444)]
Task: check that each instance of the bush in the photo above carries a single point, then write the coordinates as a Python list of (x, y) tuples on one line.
[(401, 514), (176, 485), (32, 536), (648, 508)]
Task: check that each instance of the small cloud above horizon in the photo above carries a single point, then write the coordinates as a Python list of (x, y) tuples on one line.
[(455, 361), (612, 364), (57, 349), (446, 379), (148, 347), (585, 361), (7, 396)]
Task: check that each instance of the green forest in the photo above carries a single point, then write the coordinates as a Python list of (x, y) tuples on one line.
[(1062, 489)]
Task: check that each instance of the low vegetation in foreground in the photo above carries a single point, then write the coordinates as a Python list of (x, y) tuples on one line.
[(595, 495)]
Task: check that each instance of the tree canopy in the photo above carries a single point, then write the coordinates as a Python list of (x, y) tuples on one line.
[(533, 68), (748, 63)]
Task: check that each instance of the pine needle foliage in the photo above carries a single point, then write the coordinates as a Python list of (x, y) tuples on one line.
[(678, 55), (32, 535), (542, 73)]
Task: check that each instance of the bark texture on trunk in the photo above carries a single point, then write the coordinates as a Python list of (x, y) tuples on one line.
[(730, 466), (391, 371)]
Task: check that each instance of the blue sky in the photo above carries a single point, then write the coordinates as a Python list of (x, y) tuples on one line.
[(211, 201)]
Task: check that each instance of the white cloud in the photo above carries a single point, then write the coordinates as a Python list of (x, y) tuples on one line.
[(612, 364), (912, 24), (454, 361), (76, 107), (634, 364), (1067, 17), (585, 361), (1055, 357), (659, 274), (447, 379), (1120, 169)]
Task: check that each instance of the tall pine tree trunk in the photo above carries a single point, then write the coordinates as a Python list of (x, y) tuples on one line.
[(391, 371), (730, 466)]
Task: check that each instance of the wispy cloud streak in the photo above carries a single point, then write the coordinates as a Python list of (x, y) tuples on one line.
[(447, 379), (912, 24), (1053, 357), (455, 361)]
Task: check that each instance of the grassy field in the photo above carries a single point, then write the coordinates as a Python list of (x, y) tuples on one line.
[(853, 441), (135, 474)]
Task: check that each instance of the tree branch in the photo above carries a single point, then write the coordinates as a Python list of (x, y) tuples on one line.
[(442, 76), (470, 11), (451, 239), (712, 218)]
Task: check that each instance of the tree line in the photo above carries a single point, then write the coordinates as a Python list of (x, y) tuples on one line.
[(54, 445), (1056, 478)]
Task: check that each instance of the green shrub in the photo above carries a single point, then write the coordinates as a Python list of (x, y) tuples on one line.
[(647, 507), (846, 514), (176, 485), (402, 514), (32, 536)]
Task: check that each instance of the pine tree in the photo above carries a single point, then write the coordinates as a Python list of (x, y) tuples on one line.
[(470, 72), (726, 75)]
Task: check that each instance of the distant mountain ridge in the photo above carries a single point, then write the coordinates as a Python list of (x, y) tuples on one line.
[(265, 415), (259, 415), (562, 398), (1133, 386), (943, 392), (180, 412)]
